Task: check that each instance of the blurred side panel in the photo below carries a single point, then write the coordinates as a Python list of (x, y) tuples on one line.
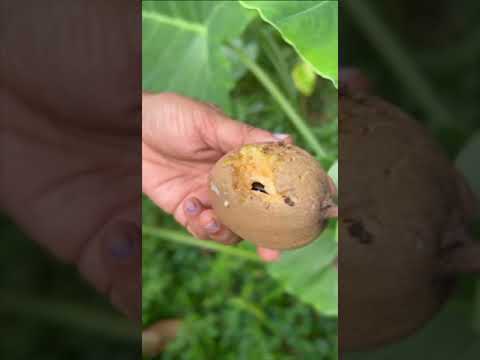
[(70, 252), (409, 253)]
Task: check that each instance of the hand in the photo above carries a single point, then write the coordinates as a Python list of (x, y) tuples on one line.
[(181, 141), (70, 144)]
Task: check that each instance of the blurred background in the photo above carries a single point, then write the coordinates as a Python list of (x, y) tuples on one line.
[(423, 57), (48, 312)]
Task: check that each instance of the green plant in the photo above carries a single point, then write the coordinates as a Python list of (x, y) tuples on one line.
[(241, 56)]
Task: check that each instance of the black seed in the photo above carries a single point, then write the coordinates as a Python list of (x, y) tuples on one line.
[(256, 186)]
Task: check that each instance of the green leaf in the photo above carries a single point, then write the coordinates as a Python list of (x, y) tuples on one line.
[(309, 274), (333, 173), (467, 162), (311, 27), (182, 47)]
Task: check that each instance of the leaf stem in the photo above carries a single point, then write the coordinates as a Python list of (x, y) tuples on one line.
[(274, 91), (397, 58), (181, 238), (276, 57)]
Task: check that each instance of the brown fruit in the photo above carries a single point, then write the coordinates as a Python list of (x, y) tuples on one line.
[(275, 195), (403, 209)]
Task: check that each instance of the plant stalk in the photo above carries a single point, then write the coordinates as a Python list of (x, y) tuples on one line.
[(402, 65), (181, 238), (274, 91)]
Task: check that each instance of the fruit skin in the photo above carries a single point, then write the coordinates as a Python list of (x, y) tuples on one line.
[(402, 208), (291, 208)]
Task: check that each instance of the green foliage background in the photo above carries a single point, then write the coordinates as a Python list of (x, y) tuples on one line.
[(232, 307)]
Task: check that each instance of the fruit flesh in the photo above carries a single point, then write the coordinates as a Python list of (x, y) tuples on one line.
[(254, 168)]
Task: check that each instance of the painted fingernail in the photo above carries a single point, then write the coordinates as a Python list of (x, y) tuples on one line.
[(191, 206), (121, 244), (212, 227), (121, 248), (280, 137)]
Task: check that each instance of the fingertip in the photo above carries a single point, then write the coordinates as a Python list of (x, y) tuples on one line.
[(332, 213), (209, 222), (268, 255), (284, 138), (192, 207)]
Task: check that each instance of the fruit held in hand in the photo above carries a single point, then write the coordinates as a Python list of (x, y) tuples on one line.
[(403, 212), (275, 195)]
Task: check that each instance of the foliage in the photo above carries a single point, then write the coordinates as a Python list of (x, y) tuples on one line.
[(231, 306), (309, 26)]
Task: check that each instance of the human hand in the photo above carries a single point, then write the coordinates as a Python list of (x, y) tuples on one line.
[(69, 137), (181, 141)]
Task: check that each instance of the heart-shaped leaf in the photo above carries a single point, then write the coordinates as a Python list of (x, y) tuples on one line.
[(182, 47), (311, 27)]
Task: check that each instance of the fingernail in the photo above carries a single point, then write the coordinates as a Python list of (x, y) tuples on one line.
[(191, 206), (280, 137), (212, 227), (121, 248), (269, 255), (122, 243)]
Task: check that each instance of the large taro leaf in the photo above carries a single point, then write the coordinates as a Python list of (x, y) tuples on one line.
[(311, 27), (310, 273), (182, 47)]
